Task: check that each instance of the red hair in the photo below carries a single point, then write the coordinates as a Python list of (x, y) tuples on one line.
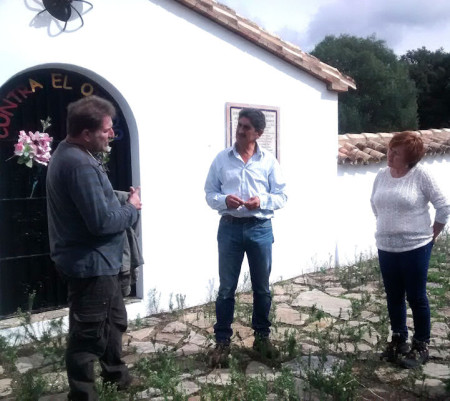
[(413, 145)]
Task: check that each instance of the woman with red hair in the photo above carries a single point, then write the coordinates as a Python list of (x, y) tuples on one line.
[(400, 197)]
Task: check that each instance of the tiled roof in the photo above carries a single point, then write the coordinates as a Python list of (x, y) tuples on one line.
[(368, 148), (225, 16)]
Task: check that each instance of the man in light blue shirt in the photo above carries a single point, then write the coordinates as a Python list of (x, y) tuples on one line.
[(245, 186)]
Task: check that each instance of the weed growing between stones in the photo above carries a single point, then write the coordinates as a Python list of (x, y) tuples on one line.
[(29, 386), (245, 285), (136, 323), (107, 391), (438, 287), (246, 388), (289, 347), (242, 311), (161, 372), (208, 311), (364, 271), (359, 305), (8, 355), (181, 302), (180, 299), (284, 386), (211, 290), (240, 387), (154, 299), (273, 310), (316, 313), (46, 339), (337, 382)]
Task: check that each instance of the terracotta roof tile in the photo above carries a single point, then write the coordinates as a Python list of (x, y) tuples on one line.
[(225, 16), (203, 5), (190, 3), (251, 27), (370, 147)]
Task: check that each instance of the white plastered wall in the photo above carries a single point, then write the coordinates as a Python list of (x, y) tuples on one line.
[(173, 71), (355, 220)]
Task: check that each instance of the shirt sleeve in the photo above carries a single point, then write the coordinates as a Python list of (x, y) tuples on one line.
[(434, 194), (88, 194), (214, 197), (276, 198)]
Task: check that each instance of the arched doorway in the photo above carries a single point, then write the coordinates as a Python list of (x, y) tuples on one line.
[(25, 100)]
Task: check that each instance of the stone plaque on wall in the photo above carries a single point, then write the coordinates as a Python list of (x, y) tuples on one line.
[(270, 139)]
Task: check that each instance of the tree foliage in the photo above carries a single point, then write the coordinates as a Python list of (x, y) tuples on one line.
[(385, 98), (431, 73)]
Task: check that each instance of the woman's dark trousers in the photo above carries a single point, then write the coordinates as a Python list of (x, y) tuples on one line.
[(406, 273)]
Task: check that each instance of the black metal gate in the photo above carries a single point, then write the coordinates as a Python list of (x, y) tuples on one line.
[(25, 265)]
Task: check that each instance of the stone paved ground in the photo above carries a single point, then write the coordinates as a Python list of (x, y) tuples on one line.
[(330, 326)]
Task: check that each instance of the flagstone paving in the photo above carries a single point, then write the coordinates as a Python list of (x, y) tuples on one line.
[(329, 318)]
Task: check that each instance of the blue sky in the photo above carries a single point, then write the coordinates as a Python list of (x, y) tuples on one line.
[(403, 24)]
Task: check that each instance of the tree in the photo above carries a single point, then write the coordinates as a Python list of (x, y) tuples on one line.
[(385, 98), (431, 73)]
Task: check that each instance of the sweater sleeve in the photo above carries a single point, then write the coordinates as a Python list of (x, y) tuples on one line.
[(372, 202), (434, 194)]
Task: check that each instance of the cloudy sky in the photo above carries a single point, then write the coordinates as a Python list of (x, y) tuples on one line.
[(403, 24)]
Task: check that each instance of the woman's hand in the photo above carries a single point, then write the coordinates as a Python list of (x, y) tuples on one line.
[(437, 228)]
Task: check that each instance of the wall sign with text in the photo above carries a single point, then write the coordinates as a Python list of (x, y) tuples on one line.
[(270, 139)]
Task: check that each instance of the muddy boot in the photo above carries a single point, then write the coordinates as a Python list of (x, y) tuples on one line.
[(397, 347), (218, 357), (417, 356), (265, 348)]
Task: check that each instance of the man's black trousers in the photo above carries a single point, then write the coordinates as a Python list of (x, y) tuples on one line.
[(97, 320)]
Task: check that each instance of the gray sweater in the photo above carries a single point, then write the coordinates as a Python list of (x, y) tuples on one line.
[(85, 220)]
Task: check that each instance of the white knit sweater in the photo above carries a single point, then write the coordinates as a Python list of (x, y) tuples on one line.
[(401, 207)]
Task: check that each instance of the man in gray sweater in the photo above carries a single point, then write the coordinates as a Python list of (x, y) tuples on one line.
[(86, 225)]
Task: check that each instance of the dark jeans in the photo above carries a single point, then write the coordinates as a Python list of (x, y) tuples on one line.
[(97, 320), (406, 273), (236, 237)]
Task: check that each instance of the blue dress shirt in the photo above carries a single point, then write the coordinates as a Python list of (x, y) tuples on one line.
[(261, 177)]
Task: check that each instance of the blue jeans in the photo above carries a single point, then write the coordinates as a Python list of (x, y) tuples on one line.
[(253, 237), (406, 273)]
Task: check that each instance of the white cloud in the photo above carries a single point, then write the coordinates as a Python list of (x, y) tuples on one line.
[(403, 24)]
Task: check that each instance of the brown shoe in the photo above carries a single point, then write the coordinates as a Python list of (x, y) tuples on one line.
[(263, 346), (218, 357)]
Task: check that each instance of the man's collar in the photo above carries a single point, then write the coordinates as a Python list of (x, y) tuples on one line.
[(235, 151)]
